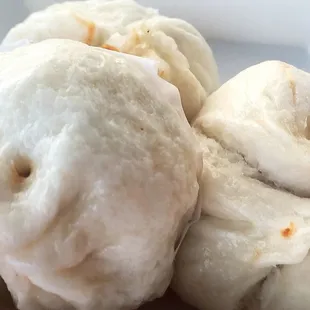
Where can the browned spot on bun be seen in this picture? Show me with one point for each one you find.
(91, 29)
(289, 231)
(136, 38)
(257, 254)
(293, 88)
(292, 83)
(21, 170)
(110, 47)
(161, 73)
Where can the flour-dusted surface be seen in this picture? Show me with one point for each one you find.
(185, 59)
(251, 246)
(99, 177)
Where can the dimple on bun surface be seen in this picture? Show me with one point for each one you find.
(184, 57)
(250, 248)
(99, 170)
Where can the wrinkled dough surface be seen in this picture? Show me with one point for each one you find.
(185, 59)
(254, 195)
(99, 177)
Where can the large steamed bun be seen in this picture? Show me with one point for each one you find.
(185, 58)
(98, 179)
(250, 248)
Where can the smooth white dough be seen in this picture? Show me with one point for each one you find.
(250, 248)
(70, 20)
(185, 58)
(113, 183)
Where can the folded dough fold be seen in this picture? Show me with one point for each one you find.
(255, 225)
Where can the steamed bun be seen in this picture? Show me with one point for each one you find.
(98, 180)
(250, 248)
(185, 59)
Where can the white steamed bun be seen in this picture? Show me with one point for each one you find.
(185, 58)
(250, 248)
(99, 173)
